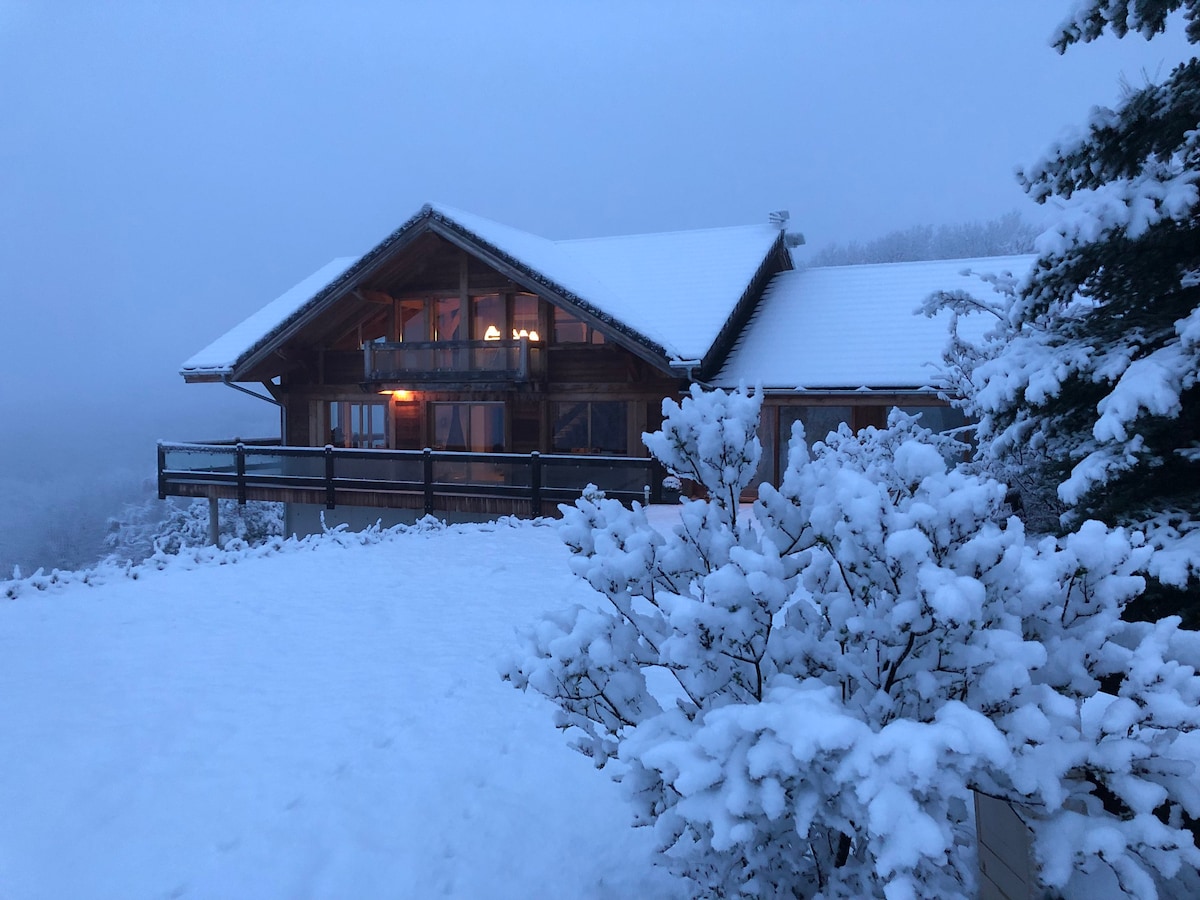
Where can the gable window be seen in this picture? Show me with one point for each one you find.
(475, 427)
(525, 319)
(448, 319)
(570, 330)
(362, 425)
(414, 320)
(590, 426)
(487, 318)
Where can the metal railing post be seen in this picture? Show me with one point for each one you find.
(241, 473)
(330, 495)
(162, 478)
(427, 460)
(535, 484)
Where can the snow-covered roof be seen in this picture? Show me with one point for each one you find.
(222, 355)
(846, 327)
(674, 288)
(673, 291)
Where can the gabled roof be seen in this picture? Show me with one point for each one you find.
(673, 296)
(849, 327)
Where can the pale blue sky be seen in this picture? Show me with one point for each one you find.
(165, 169)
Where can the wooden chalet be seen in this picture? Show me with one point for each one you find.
(465, 367)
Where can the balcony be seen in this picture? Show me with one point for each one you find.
(453, 362)
(495, 483)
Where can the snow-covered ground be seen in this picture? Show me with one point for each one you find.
(323, 720)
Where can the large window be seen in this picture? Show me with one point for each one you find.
(818, 422)
(525, 319)
(937, 418)
(357, 424)
(590, 426)
(477, 427)
(414, 320)
(448, 319)
(486, 317)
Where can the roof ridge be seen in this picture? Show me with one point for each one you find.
(674, 231)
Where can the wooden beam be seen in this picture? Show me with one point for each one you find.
(368, 296)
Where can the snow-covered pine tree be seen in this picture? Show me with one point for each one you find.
(1095, 372)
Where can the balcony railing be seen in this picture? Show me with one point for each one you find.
(516, 360)
(409, 478)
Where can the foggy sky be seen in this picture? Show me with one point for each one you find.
(167, 169)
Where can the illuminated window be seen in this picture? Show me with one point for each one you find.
(487, 318)
(525, 314)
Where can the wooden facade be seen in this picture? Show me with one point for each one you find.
(442, 318)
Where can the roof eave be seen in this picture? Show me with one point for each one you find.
(330, 294)
(205, 376)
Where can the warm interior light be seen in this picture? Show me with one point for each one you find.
(492, 333)
(399, 395)
(517, 335)
(533, 336)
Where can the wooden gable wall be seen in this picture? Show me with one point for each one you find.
(323, 364)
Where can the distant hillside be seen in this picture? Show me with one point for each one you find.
(1006, 236)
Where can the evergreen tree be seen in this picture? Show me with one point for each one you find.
(1005, 236)
(1094, 372)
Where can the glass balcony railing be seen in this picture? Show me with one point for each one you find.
(516, 360)
(359, 477)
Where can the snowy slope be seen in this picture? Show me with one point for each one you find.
(320, 721)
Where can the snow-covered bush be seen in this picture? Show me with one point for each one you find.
(800, 701)
(158, 526)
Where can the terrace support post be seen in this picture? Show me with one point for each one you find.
(330, 495)
(214, 523)
(162, 478)
(523, 359)
(657, 472)
(241, 474)
(535, 484)
(427, 461)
